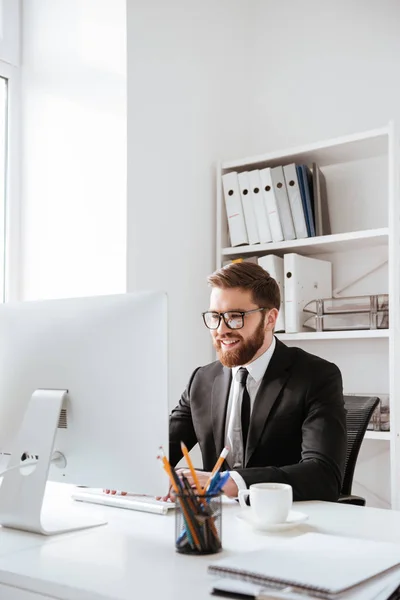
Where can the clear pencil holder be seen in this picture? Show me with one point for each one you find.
(198, 521)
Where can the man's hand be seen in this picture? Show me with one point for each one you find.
(230, 488)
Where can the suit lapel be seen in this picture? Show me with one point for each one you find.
(272, 383)
(219, 402)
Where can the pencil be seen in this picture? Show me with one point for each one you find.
(191, 468)
(179, 491)
(217, 466)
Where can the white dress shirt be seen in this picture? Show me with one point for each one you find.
(256, 371)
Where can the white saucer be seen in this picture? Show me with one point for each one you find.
(294, 519)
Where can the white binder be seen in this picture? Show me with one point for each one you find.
(234, 210)
(248, 208)
(306, 279)
(264, 231)
(282, 200)
(296, 204)
(275, 267)
(271, 205)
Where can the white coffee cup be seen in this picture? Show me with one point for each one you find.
(270, 503)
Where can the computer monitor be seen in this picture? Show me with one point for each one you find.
(85, 378)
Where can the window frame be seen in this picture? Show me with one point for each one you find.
(10, 69)
(12, 187)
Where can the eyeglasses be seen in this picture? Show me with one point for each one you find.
(234, 319)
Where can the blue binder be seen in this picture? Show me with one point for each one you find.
(306, 190)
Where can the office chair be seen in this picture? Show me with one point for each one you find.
(359, 412)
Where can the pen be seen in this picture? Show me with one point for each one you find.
(217, 465)
(216, 485)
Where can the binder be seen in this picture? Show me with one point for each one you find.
(271, 205)
(305, 182)
(264, 231)
(306, 279)
(234, 210)
(275, 267)
(320, 564)
(248, 208)
(321, 210)
(295, 201)
(282, 200)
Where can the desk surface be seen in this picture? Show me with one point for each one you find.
(134, 556)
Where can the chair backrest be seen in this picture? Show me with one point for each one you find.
(359, 412)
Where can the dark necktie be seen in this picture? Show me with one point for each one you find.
(239, 421)
(242, 375)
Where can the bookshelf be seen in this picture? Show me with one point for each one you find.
(334, 335)
(377, 435)
(339, 242)
(361, 173)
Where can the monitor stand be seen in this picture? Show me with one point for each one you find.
(23, 488)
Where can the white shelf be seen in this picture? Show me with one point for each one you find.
(333, 335)
(362, 181)
(337, 242)
(334, 151)
(377, 435)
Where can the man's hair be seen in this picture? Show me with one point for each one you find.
(248, 276)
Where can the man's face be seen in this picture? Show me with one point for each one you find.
(237, 347)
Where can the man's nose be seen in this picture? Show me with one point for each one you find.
(222, 327)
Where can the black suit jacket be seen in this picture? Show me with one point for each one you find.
(297, 433)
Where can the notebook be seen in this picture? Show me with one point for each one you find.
(385, 587)
(324, 565)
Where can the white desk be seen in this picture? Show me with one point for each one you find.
(134, 556)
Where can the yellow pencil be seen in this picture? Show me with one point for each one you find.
(217, 466)
(191, 468)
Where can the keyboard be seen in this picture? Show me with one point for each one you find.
(129, 502)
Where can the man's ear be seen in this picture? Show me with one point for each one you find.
(270, 321)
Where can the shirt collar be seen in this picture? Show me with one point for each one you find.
(258, 367)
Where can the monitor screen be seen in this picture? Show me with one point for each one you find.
(110, 354)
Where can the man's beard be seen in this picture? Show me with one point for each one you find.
(246, 351)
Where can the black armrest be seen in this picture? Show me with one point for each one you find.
(356, 500)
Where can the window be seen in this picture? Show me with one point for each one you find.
(9, 183)
(3, 180)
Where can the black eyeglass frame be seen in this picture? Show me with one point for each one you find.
(242, 313)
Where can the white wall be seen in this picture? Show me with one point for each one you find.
(324, 69)
(221, 79)
(206, 80)
(73, 148)
(187, 107)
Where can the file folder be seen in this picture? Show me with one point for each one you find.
(271, 205)
(264, 231)
(295, 201)
(305, 182)
(234, 210)
(248, 208)
(282, 201)
(306, 279)
(275, 267)
(321, 210)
